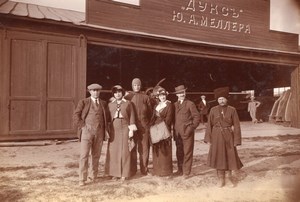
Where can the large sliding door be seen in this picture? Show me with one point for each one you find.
(43, 83)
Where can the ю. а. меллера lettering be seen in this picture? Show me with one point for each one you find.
(198, 13)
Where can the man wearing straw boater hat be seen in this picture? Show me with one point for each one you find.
(223, 133)
(187, 119)
(90, 118)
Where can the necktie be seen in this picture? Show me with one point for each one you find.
(97, 103)
(118, 110)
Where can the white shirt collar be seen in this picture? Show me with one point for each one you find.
(94, 99)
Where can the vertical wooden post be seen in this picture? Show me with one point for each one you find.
(82, 68)
(4, 82)
(295, 98)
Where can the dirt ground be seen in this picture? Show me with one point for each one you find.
(270, 154)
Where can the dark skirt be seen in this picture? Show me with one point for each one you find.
(119, 159)
(162, 158)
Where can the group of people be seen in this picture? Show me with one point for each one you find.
(133, 121)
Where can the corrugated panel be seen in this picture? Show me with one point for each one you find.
(48, 14)
(41, 12)
(34, 12)
(61, 14)
(20, 9)
(7, 7)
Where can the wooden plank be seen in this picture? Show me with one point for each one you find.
(26, 71)
(22, 144)
(25, 116)
(60, 71)
(59, 116)
(34, 12)
(61, 86)
(26, 82)
(7, 7)
(20, 10)
(39, 136)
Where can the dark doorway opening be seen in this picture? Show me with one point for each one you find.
(109, 66)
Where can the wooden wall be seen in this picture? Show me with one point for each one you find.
(231, 22)
(40, 87)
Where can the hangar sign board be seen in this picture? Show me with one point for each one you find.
(230, 22)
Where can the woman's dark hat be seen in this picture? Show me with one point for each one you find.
(118, 88)
(180, 89)
(221, 92)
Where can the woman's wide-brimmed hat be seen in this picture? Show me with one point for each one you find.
(118, 88)
(180, 89)
(162, 91)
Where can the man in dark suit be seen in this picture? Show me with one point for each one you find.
(187, 119)
(203, 108)
(90, 118)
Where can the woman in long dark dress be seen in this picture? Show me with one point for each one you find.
(162, 151)
(119, 159)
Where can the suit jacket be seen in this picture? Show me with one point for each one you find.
(187, 118)
(203, 109)
(81, 112)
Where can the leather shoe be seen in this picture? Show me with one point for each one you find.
(81, 183)
(92, 180)
(178, 173)
(185, 176)
(115, 178)
(122, 179)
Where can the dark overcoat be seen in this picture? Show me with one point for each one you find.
(223, 132)
(203, 108)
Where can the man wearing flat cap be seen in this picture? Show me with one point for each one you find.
(90, 118)
(143, 109)
(187, 119)
(223, 133)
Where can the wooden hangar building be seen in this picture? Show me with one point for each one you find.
(48, 55)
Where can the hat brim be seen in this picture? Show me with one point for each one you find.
(94, 88)
(180, 91)
(162, 94)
